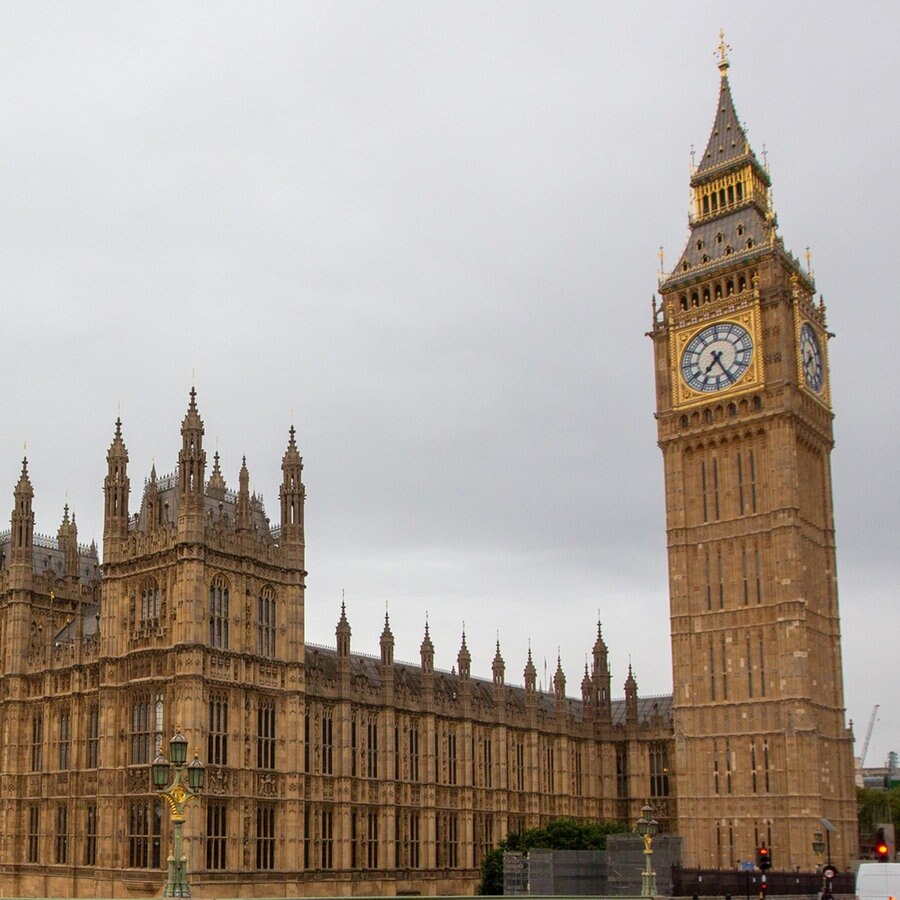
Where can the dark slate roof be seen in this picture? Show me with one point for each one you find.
(366, 671)
(216, 506)
(727, 141)
(90, 626)
(649, 708)
(48, 556)
(740, 230)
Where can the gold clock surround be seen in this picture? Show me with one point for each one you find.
(683, 394)
(804, 317)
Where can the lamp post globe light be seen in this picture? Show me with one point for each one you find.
(647, 827)
(177, 795)
(818, 847)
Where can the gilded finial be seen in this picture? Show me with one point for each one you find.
(662, 257)
(722, 50)
(808, 256)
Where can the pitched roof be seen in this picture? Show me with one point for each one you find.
(727, 140)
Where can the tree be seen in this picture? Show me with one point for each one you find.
(557, 834)
(877, 807)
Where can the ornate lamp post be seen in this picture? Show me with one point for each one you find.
(177, 794)
(647, 827)
(818, 847)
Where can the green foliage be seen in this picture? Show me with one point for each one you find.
(492, 873)
(877, 807)
(557, 834)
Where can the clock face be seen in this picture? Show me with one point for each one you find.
(717, 357)
(811, 357)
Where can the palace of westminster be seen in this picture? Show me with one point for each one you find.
(329, 772)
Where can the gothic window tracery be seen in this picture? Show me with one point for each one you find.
(149, 604)
(218, 613)
(266, 623)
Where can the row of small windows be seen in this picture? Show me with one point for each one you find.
(750, 585)
(146, 736)
(145, 837)
(146, 733)
(718, 413)
(717, 290)
(481, 768)
(61, 836)
(150, 610)
(721, 687)
(724, 197)
(63, 743)
(725, 769)
(719, 477)
(720, 237)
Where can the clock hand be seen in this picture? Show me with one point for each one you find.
(722, 367)
(716, 358)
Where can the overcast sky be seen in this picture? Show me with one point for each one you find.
(427, 234)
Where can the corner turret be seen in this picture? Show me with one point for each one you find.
(115, 491)
(191, 463)
(292, 494)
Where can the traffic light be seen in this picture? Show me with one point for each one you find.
(763, 858)
(882, 851)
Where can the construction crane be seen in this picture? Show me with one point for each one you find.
(865, 746)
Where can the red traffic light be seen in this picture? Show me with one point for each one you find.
(881, 850)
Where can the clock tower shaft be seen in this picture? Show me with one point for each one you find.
(745, 428)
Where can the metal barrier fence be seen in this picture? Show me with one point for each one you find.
(734, 883)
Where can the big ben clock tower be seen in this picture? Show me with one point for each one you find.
(745, 427)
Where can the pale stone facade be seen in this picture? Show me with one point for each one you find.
(745, 428)
(327, 772)
(334, 773)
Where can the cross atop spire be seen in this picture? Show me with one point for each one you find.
(722, 50)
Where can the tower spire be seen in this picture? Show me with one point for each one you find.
(115, 490)
(731, 214)
(22, 519)
(192, 458)
(242, 510)
(292, 493)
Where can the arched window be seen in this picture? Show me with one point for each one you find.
(218, 613)
(217, 742)
(149, 611)
(146, 727)
(266, 623)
